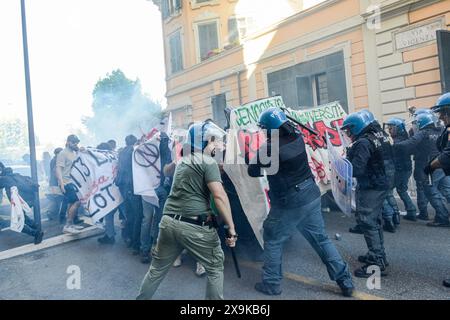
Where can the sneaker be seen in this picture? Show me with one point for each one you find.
(362, 272)
(268, 289)
(177, 262)
(78, 227)
(70, 230)
(439, 224)
(106, 240)
(326, 209)
(200, 270)
(38, 237)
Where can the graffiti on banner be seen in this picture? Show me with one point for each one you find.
(341, 179)
(147, 170)
(93, 173)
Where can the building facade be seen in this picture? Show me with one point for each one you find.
(384, 56)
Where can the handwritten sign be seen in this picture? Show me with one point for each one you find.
(93, 173)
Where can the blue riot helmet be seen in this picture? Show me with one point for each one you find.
(355, 123)
(368, 115)
(424, 120)
(397, 124)
(272, 118)
(200, 133)
(442, 103)
(421, 111)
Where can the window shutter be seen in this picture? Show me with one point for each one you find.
(233, 33)
(178, 4)
(165, 9)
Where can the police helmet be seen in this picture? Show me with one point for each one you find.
(368, 115)
(421, 111)
(397, 123)
(355, 123)
(272, 118)
(442, 102)
(424, 119)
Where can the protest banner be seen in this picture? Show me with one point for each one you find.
(245, 138)
(147, 170)
(18, 209)
(93, 173)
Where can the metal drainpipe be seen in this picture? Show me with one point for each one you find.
(239, 87)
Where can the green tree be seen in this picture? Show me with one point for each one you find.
(13, 133)
(119, 108)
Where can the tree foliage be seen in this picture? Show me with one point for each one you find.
(13, 133)
(120, 108)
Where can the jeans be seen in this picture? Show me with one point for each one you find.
(133, 214)
(302, 212)
(29, 227)
(442, 183)
(202, 243)
(368, 215)
(390, 206)
(109, 224)
(401, 185)
(146, 227)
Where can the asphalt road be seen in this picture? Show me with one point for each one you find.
(419, 259)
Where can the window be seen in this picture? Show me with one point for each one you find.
(170, 8)
(238, 28)
(219, 103)
(208, 40)
(176, 53)
(202, 1)
(311, 83)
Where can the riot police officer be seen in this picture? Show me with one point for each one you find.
(442, 107)
(423, 146)
(367, 158)
(295, 203)
(403, 165)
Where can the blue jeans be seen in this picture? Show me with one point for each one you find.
(146, 227)
(435, 198)
(442, 183)
(109, 225)
(401, 185)
(303, 213)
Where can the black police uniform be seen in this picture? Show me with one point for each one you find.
(295, 204)
(423, 146)
(403, 171)
(367, 158)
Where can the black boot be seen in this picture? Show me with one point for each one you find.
(38, 237)
(446, 283)
(363, 271)
(410, 217)
(347, 287)
(268, 289)
(396, 218)
(367, 259)
(356, 229)
(106, 240)
(423, 216)
(145, 257)
(389, 226)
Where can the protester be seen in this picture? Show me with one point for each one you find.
(188, 215)
(109, 236)
(27, 189)
(56, 208)
(64, 163)
(132, 203)
(295, 203)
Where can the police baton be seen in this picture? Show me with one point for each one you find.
(233, 254)
(311, 131)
